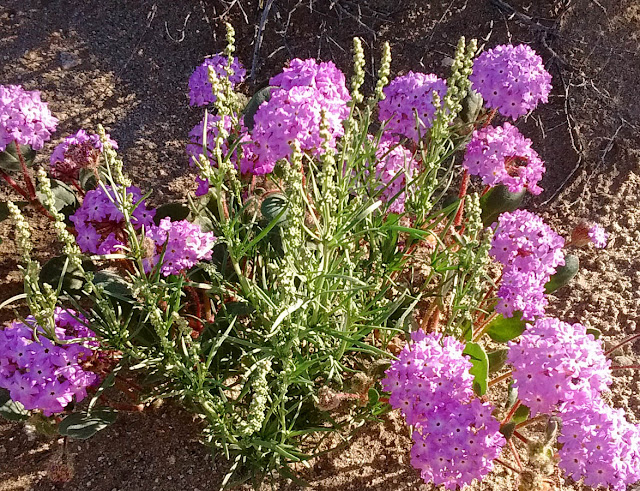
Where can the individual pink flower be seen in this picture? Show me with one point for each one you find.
(502, 155)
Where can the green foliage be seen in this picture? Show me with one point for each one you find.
(82, 425)
(10, 160)
(564, 274)
(503, 329)
(480, 369)
(10, 410)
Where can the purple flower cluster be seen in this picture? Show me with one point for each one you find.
(599, 445)
(40, 374)
(200, 90)
(457, 444)
(502, 155)
(530, 252)
(555, 362)
(78, 151)
(247, 163)
(294, 111)
(511, 79)
(457, 438)
(409, 97)
(24, 118)
(184, 245)
(598, 236)
(100, 224)
(395, 165)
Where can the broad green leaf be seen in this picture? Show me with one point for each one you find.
(374, 396)
(480, 369)
(521, 414)
(73, 279)
(564, 274)
(497, 359)
(499, 200)
(507, 430)
(175, 211)
(11, 410)
(65, 198)
(503, 329)
(263, 95)
(596, 332)
(9, 160)
(82, 425)
(273, 206)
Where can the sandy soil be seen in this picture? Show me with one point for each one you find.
(126, 65)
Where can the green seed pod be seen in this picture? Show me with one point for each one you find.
(499, 200)
(564, 274)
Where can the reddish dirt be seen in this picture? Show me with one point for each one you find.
(126, 65)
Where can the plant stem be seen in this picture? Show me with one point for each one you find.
(14, 185)
(25, 173)
(508, 466)
(628, 340)
(512, 447)
(520, 437)
(461, 194)
(530, 421)
(485, 327)
(625, 367)
(499, 379)
(510, 414)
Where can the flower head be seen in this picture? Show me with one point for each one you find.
(24, 118)
(200, 90)
(184, 245)
(556, 362)
(501, 155)
(457, 444)
(41, 374)
(529, 251)
(243, 157)
(100, 224)
(294, 112)
(407, 97)
(78, 151)
(428, 373)
(599, 445)
(511, 79)
(395, 166)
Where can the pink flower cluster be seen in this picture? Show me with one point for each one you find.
(24, 118)
(599, 445)
(598, 236)
(40, 374)
(530, 252)
(502, 155)
(100, 224)
(200, 90)
(408, 105)
(511, 79)
(555, 362)
(78, 151)
(247, 162)
(456, 437)
(179, 246)
(395, 166)
(294, 111)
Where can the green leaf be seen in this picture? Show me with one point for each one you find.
(11, 410)
(9, 160)
(374, 396)
(73, 279)
(114, 285)
(471, 106)
(273, 206)
(87, 179)
(497, 359)
(521, 414)
(82, 425)
(507, 430)
(263, 95)
(503, 329)
(175, 211)
(499, 200)
(596, 332)
(65, 199)
(480, 369)
(564, 274)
